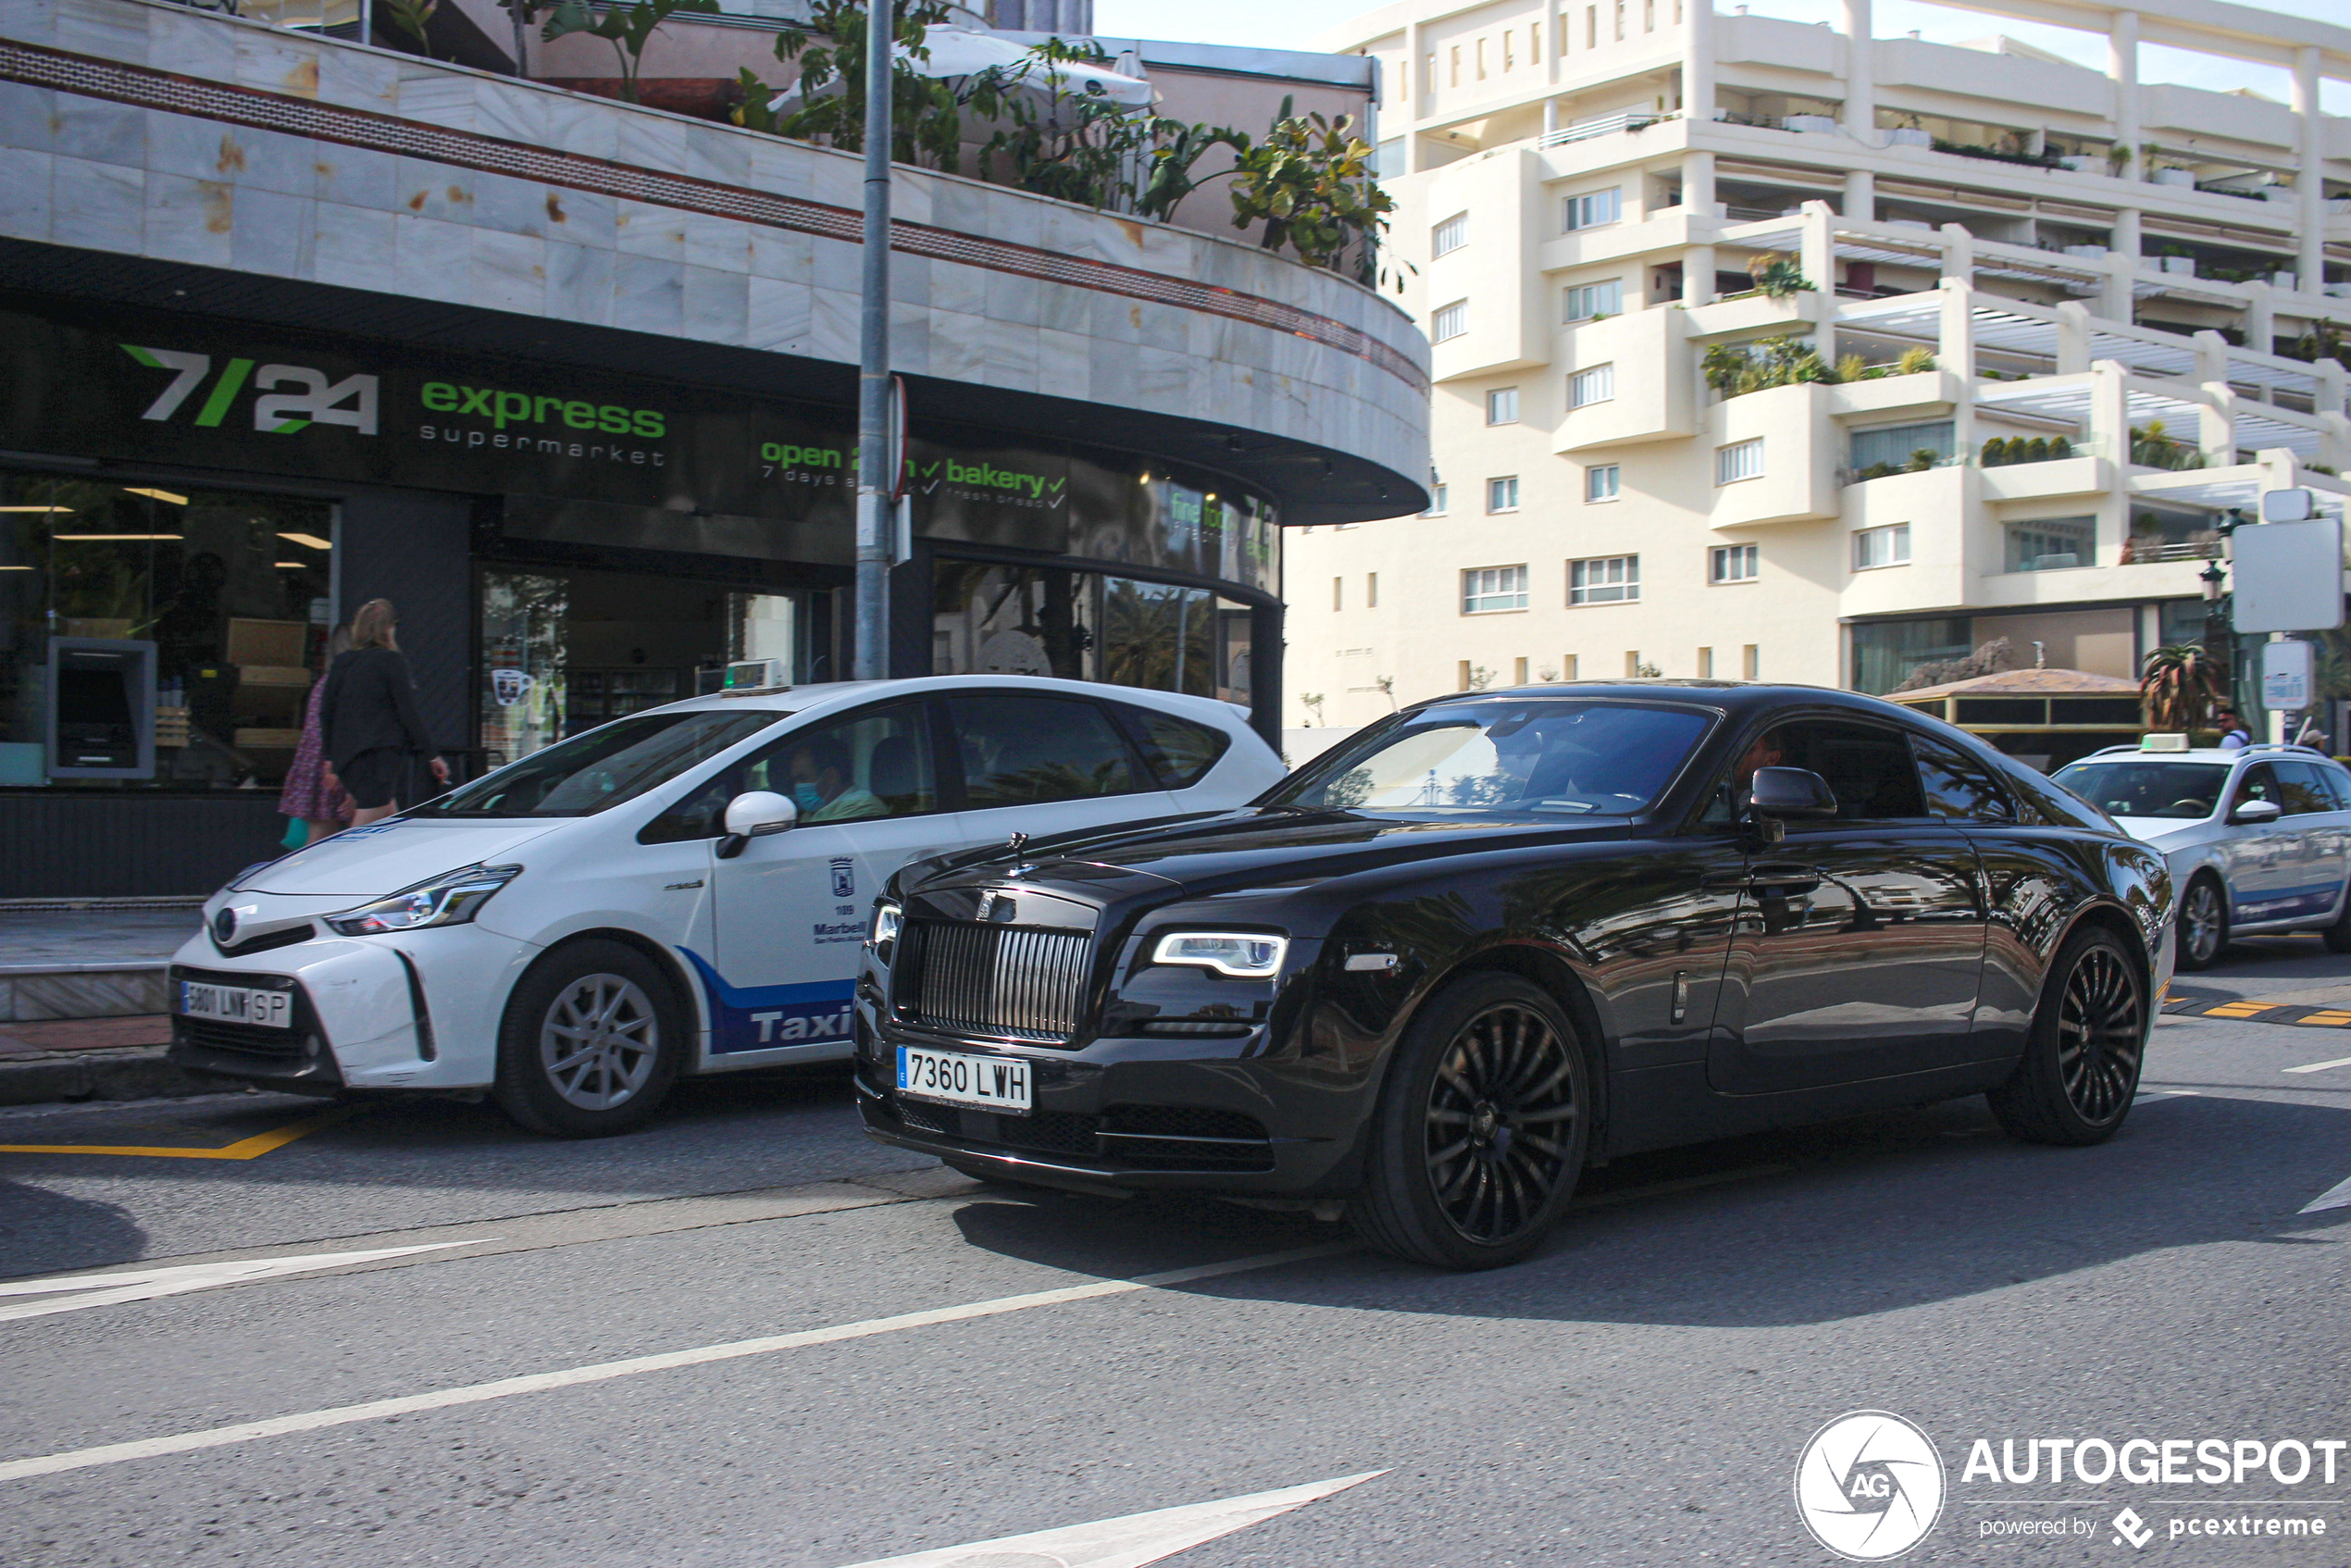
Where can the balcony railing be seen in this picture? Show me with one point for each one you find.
(2146, 552)
(1607, 125)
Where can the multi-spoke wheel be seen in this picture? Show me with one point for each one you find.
(2204, 923)
(590, 1042)
(2079, 1070)
(1481, 1130)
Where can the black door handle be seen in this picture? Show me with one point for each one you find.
(1780, 880)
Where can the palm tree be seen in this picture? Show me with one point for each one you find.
(2179, 685)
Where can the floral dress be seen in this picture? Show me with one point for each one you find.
(306, 794)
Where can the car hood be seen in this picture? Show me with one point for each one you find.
(1253, 848)
(387, 856)
(2156, 830)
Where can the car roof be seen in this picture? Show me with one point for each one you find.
(2258, 750)
(783, 701)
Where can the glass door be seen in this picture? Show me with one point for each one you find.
(525, 646)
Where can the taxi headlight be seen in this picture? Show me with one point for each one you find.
(888, 918)
(451, 899)
(1244, 955)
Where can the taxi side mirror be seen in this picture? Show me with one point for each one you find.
(2253, 813)
(754, 813)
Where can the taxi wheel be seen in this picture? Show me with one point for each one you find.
(591, 1042)
(2204, 924)
(2338, 936)
(1482, 1128)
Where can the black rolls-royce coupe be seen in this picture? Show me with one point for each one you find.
(1497, 936)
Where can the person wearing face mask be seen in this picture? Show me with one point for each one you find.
(824, 787)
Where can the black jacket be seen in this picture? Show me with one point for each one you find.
(370, 704)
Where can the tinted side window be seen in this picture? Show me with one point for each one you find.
(1868, 769)
(873, 764)
(2256, 783)
(1180, 751)
(2301, 790)
(2338, 787)
(1018, 749)
(1958, 787)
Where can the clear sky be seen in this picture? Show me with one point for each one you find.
(1296, 24)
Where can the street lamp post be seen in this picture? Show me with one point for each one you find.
(2219, 641)
(869, 661)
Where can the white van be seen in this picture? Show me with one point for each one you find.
(682, 891)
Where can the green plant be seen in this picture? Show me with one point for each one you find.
(2118, 155)
(2179, 685)
(1851, 368)
(1922, 458)
(626, 28)
(1773, 362)
(2037, 449)
(1914, 360)
(1995, 452)
(1778, 276)
(413, 17)
(1643, 670)
(926, 115)
(1178, 147)
(2154, 447)
(1310, 183)
(1313, 702)
(2060, 447)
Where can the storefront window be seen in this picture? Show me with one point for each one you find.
(1884, 652)
(1085, 626)
(156, 634)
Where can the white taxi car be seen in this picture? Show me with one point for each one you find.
(2258, 840)
(682, 891)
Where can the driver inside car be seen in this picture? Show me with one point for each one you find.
(824, 785)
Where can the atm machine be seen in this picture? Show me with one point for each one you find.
(101, 707)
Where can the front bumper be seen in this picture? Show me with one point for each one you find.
(1204, 1115)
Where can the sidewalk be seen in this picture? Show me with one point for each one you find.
(83, 1002)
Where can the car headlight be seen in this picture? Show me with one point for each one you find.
(888, 919)
(1245, 955)
(451, 899)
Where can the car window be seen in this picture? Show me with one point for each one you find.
(1867, 768)
(608, 765)
(2184, 791)
(1179, 751)
(1958, 787)
(2338, 787)
(1018, 749)
(873, 764)
(2256, 783)
(1544, 758)
(2300, 789)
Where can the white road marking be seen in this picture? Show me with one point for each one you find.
(2335, 1197)
(141, 1284)
(602, 1372)
(1129, 1542)
(2321, 1066)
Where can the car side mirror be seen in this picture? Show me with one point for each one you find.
(2252, 812)
(1780, 795)
(754, 813)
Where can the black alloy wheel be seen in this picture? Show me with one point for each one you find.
(1482, 1130)
(2079, 1071)
(2204, 924)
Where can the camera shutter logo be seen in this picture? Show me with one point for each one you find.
(1869, 1486)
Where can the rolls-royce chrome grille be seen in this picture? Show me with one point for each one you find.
(1013, 981)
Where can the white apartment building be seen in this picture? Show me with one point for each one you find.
(2074, 314)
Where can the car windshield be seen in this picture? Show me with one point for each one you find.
(1543, 758)
(608, 765)
(2187, 791)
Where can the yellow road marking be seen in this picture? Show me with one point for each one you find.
(251, 1148)
(2238, 1009)
(2332, 1017)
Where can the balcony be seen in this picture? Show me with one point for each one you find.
(1606, 125)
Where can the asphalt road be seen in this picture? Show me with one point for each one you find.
(1638, 1394)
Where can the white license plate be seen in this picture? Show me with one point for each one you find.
(237, 1004)
(987, 1083)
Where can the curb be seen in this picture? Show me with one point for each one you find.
(136, 1073)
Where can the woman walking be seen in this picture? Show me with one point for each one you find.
(311, 795)
(372, 729)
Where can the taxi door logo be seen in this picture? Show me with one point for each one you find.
(287, 397)
(1869, 1486)
(844, 878)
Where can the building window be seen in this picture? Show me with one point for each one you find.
(1734, 563)
(1596, 385)
(1750, 663)
(1339, 593)
(1518, 677)
(1501, 495)
(1501, 407)
(1535, 44)
(1454, 68)
(1450, 235)
(1388, 162)
(1740, 460)
(1450, 321)
(1487, 588)
(1706, 663)
(1567, 667)
(1592, 209)
(1610, 579)
(1510, 62)
(1436, 502)
(1881, 547)
(1600, 482)
(1895, 449)
(1481, 59)
(2051, 544)
(1589, 302)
